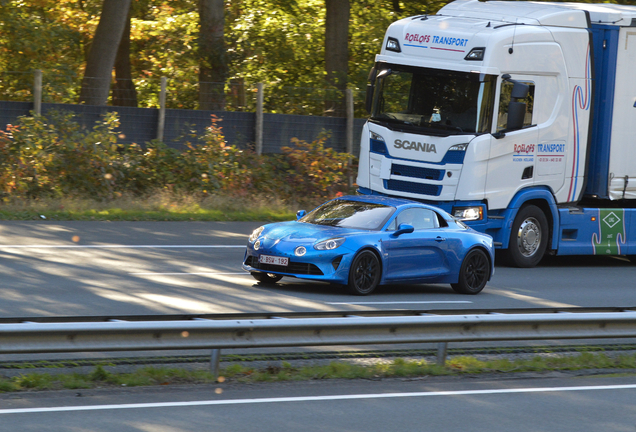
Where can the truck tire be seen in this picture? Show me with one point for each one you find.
(528, 237)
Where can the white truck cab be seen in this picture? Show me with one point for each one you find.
(515, 117)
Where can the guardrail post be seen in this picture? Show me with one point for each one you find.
(37, 92)
(442, 348)
(162, 109)
(215, 362)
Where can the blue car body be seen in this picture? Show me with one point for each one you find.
(431, 255)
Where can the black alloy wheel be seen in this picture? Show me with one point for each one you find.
(266, 278)
(365, 272)
(474, 273)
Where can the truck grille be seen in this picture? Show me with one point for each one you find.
(417, 172)
(416, 188)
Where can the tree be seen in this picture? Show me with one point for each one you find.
(212, 57)
(124, 93)
(337, 50)
(103, 51)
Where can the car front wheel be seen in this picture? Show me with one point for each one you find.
(474, 273)
(266, 278)
(364, 275)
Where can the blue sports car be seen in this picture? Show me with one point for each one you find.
(365, 241)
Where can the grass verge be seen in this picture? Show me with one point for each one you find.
(397, 368)
(161, 206)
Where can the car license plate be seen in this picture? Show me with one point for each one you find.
(268, 259)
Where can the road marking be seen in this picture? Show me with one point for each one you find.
(314, 398)
(530, 299)
(115, 246)
(398, 302)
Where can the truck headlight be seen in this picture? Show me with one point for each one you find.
(469, 213)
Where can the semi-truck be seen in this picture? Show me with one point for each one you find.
(517, 117)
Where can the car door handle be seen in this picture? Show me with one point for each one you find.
(440, 239)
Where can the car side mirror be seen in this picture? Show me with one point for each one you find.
(300, 214)
(403, 229)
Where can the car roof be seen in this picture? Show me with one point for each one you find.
(389, 201)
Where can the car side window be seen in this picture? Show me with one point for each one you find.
(419, 218)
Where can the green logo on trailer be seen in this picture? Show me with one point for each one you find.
(612, 232)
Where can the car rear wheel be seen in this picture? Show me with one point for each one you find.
(364, 275)
(266, 278)
(474, 273)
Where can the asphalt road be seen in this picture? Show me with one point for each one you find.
(565, 404)
(121, 268)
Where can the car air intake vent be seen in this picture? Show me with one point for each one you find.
(292, 268)
(417, 172)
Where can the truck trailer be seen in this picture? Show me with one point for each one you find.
(517, 117)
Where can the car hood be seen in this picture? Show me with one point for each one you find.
(299, 232)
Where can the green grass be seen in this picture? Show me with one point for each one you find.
(162, 206)
(457, 366)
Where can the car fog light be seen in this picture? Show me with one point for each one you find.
(300, 251)
(257, 245)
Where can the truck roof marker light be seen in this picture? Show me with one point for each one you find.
(392, 44)
(476, 54)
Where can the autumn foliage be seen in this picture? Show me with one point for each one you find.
(54, 156)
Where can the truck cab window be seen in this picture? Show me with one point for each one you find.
(440, 102)
(504, 102)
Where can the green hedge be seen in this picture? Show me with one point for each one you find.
(53, 156)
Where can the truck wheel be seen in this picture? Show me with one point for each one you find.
(364, 274)
(528, 238)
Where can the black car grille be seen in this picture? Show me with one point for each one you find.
(292, 268)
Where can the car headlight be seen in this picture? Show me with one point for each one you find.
(256, 233)
(329, 244)
(469, 213)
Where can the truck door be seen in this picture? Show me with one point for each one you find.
(512, 152)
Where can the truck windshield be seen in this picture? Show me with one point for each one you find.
(440, 101)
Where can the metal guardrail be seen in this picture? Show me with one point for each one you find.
(54, 335)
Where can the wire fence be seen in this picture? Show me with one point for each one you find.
(265, 121)
(235, 95)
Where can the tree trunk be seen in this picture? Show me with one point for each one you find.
(124, 93)
(212, 56)
(337, 53)
(103, 50)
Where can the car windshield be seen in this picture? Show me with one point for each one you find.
(350, 214)
(434, 101)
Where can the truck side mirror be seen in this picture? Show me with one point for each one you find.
(516, 115)
(516, 109)
(368, 105)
